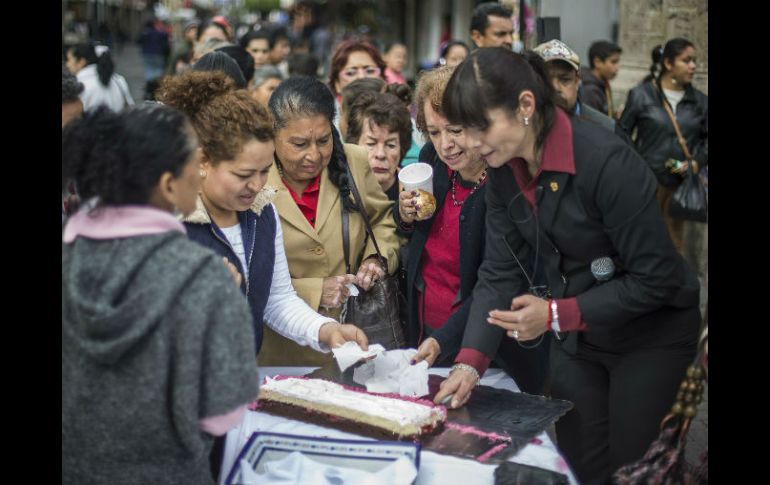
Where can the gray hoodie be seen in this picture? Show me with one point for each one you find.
(155, 337)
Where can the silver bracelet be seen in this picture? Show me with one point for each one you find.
(468, 368)
(555, 320)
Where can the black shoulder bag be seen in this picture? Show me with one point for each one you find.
(690, 201)
(376, 311)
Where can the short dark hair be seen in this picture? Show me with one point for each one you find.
(211, 23)
(276, 33)
(451, 44)
(602, 49)
(219, 61)
(240, 56)
(119, 157)
(493, 78)
(70, 86)
(479, 20)
(303, 64)
(254, 35)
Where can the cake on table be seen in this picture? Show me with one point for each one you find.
(385, 416)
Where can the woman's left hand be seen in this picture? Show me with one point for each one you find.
(526, 320)
(334, 334)
(683, 168)
(369, 273)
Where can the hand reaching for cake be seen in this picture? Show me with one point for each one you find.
(460, 383)
(428, 351)
(334, 334)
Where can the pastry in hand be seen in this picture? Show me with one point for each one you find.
(426, 203)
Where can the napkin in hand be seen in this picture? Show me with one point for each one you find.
(350, 353)
(391, 371)
(297, 468)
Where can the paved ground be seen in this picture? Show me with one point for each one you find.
(128, 62)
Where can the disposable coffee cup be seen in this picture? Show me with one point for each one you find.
(417, 176)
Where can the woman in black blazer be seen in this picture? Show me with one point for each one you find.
(445, 248)
(563, 194)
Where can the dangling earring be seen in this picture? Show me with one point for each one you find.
(176, 212)
(526, 121)
(202, 173)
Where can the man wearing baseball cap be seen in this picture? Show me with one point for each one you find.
(562, 70)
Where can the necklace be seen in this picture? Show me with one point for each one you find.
(475, 187)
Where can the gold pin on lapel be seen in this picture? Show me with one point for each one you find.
(554, 186)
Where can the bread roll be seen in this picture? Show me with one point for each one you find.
(427, 203)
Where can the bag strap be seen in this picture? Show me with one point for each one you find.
(670, 112)
(345, 236)
(362, 209)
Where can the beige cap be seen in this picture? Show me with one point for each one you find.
(556, 50)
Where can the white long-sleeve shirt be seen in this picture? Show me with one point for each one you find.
(115, 95)
(286, 312)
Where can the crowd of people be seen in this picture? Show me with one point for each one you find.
(203, 231)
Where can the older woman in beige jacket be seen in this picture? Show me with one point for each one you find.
(310, 176)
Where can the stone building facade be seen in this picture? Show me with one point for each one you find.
(647, 23)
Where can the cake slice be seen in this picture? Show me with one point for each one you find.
(385, 416)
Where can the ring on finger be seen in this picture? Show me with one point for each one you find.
(516, 334)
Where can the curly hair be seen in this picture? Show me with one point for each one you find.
(343, 51)
(225, 118)
(119, 157)
(430, 89)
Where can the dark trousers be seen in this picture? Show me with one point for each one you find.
(620, 398)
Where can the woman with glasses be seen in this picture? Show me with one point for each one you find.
(578, 206)
(311, 175)
(353, 59)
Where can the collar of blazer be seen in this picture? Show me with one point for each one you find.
(289, 211)
(201, 216)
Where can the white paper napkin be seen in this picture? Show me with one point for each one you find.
(349, 353)
(391, 371)
(353, 289)
(298, 468)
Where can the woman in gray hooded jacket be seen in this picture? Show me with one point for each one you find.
(156, 358)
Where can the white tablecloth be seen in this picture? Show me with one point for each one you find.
(435, 468)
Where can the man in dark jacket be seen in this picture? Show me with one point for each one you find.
(604, 59)
(562, 67)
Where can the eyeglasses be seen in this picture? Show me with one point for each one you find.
(369, 71)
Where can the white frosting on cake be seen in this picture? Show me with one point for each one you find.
(327, 393)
